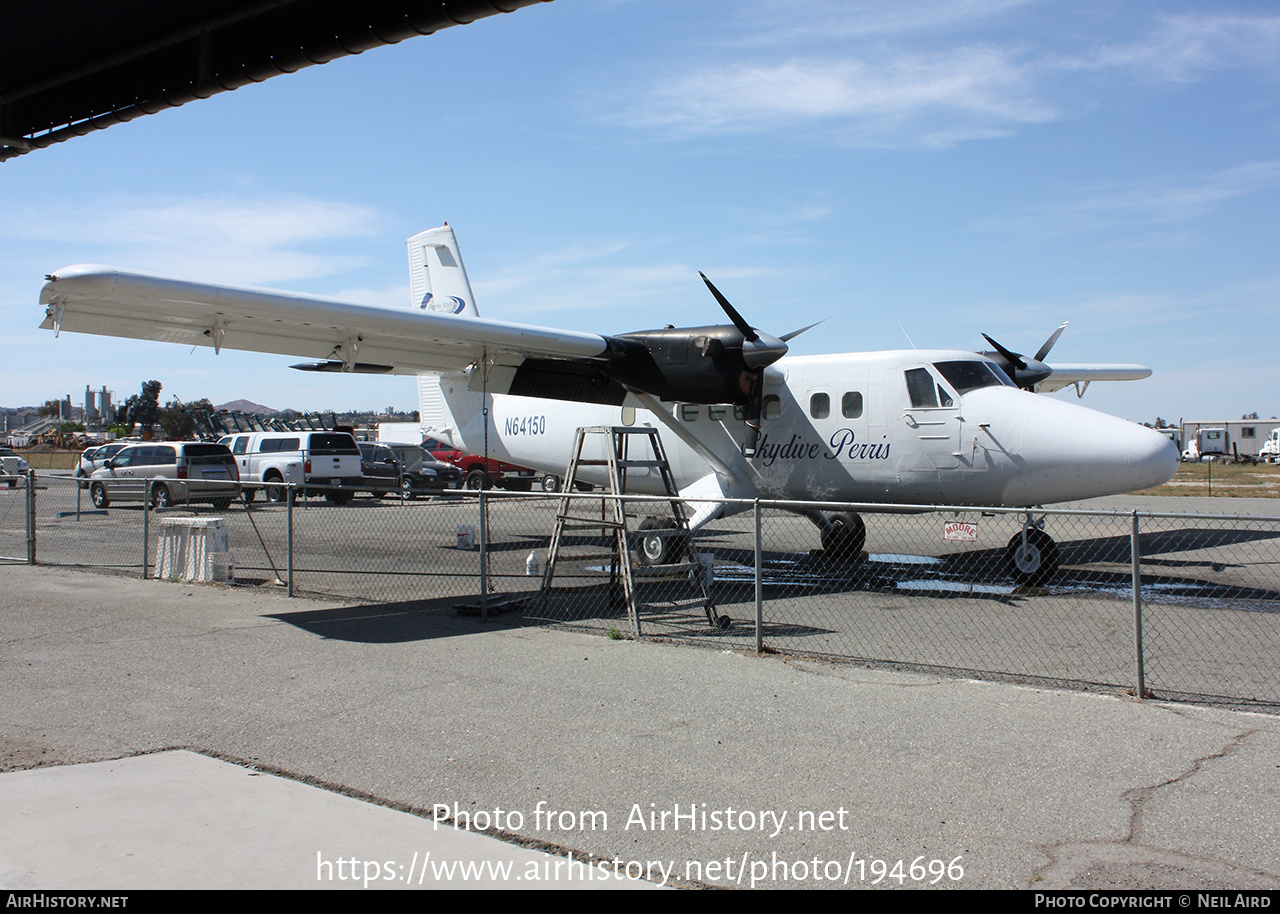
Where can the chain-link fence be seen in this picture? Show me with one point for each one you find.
(968, 592)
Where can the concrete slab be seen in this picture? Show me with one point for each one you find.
(178, 820)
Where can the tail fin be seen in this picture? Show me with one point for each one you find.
(437, 278)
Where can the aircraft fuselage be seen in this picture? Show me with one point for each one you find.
(910, 427)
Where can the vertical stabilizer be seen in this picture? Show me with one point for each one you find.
(437, 278)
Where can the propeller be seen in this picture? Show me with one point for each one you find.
(1025, 372)
(721, 363)
(759, 350)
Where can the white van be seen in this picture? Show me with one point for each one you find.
(329, 461)
(165, 473)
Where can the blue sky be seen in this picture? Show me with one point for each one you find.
(938, 168)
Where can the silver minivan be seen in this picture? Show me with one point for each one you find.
(166, 473)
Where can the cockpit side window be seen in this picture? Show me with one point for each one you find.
(926, 393)
(921, 388)
(965, 376)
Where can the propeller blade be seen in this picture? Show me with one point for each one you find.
(1013, 358)
(748, 332)
(787, 337)
(1048, 344)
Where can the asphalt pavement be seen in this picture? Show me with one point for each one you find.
(161, 735)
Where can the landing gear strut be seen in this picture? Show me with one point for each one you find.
(1032, 555)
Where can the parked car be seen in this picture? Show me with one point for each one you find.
(94, 458)
(330, 461)
(164, 473)
(480, 473)
(422, 474)
(407, 468)
(12, 466)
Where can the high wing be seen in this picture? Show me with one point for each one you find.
(1035, 374)
(719, 363)
(338, 335)
(1064, 375)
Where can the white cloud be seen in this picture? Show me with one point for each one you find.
(934, 97)
(227, 239)
(1151, 202)
(1185, 48)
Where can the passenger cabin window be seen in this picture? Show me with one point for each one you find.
(628, 415)
(717, 413)
(819, 406)
(772, 407)
(851, 405)
(688, 412)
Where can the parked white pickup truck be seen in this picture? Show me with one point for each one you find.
(329, 461)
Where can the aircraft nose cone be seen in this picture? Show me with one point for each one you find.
(1070, 452)
(1153, 458)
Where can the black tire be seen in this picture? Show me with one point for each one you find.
(160, 497)
(248, 495)
(846, 538)
(406, 488)
(550, 483)
(656, 544)
(477, 480)
(338, 496)
(1036, 563)
(221, 504)
(275, 492)
(98, 495)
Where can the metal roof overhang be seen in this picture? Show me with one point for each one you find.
(70, 67)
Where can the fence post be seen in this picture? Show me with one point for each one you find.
(146, 526)
(288, 538)
(1135, 553)
(31, 516)
(759, 583)
(484, 557)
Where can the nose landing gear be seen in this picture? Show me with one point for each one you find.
(1032, 555)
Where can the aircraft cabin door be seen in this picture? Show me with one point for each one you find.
(928, 432)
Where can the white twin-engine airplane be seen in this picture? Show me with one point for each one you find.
(903, 428)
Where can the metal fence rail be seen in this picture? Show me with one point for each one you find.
(1203, 624)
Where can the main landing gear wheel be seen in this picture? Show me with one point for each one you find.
(657, 542)
(1035, 561)
(844, 540)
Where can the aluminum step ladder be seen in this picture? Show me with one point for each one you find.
(620, 457)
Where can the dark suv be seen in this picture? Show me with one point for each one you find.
(408, 468)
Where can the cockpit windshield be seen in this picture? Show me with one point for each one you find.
(970, 375)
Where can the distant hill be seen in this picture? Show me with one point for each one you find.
(248, 407)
